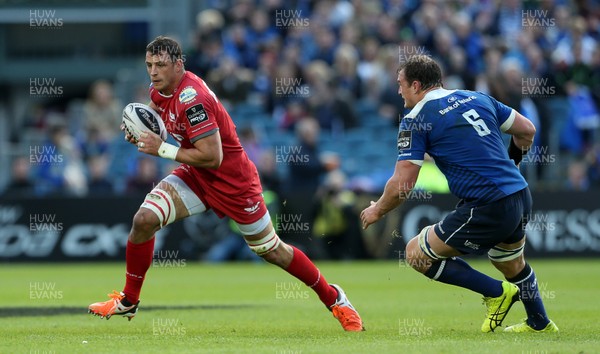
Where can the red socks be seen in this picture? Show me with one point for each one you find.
(304, 269)
(138, 258)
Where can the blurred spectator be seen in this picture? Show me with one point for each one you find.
(145, 177)
(592, 159)
(209, 24)
(102, 112)
(305, 165)
(240, 11)
(238, 48)
(99, 183)
(230, 82)
(488, 81)
(387, 30)
(20, 184)
(595, 80)
(60, 168)
(206, 55)
(456, 76)
(93, 144)
(391, 103)
(264, 77)
(576, 36)
(336, 222)
(577, 176)
(576, 78)
(562, 20)
(346, 76)
(370, 70)
(35, 118)
(269, 175)
(294, 111)
(287, 85)
(509, 20)
(424, 23)
(332, 108)
(350, 34)
(261, 32)
(323, 46)
(470, 63)
(253, 147)
(443, 46)
(368, 14)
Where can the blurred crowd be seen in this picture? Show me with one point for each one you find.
(329, 68)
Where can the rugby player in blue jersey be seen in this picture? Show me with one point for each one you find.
(462, 131)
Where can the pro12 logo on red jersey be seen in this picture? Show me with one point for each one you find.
(196, 114)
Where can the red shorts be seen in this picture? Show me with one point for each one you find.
(246, 208)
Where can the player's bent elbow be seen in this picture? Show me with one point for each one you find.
(214, 163)
(217, 161)
(531, 131)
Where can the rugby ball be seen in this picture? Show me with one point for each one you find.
(139, 118)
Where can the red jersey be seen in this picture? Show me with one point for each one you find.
(193, 112)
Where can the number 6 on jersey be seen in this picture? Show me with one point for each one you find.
(478, 124)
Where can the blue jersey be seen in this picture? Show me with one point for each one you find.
(462, 131)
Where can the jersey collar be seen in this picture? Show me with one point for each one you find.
(429, 96)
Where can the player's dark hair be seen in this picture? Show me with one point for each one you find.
(162, 44)
(423, 69)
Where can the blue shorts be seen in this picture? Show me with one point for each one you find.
(475, 228)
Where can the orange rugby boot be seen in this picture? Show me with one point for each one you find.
(114, 306)
(345, 312)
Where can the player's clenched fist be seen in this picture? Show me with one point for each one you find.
(149, 143)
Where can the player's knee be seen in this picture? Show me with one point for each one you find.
(415, 258)
(270, 248)
(511, 268)
(509, 262)
(145, 222)
(161, 204)
(419, 254)
(412, 251)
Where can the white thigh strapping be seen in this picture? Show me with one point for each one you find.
(191, 201)
(256, 227)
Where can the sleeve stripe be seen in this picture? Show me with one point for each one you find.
(203, 135)
(416, 162)
(509, 121)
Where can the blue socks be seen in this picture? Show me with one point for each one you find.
(457, 272)
(531, 298)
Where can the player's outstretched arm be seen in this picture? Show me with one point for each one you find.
(395, 192)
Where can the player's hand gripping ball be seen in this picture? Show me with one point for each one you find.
(139, 118)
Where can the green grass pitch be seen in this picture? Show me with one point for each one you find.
(257, 308)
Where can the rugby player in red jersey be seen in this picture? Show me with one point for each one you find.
(215, 173)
